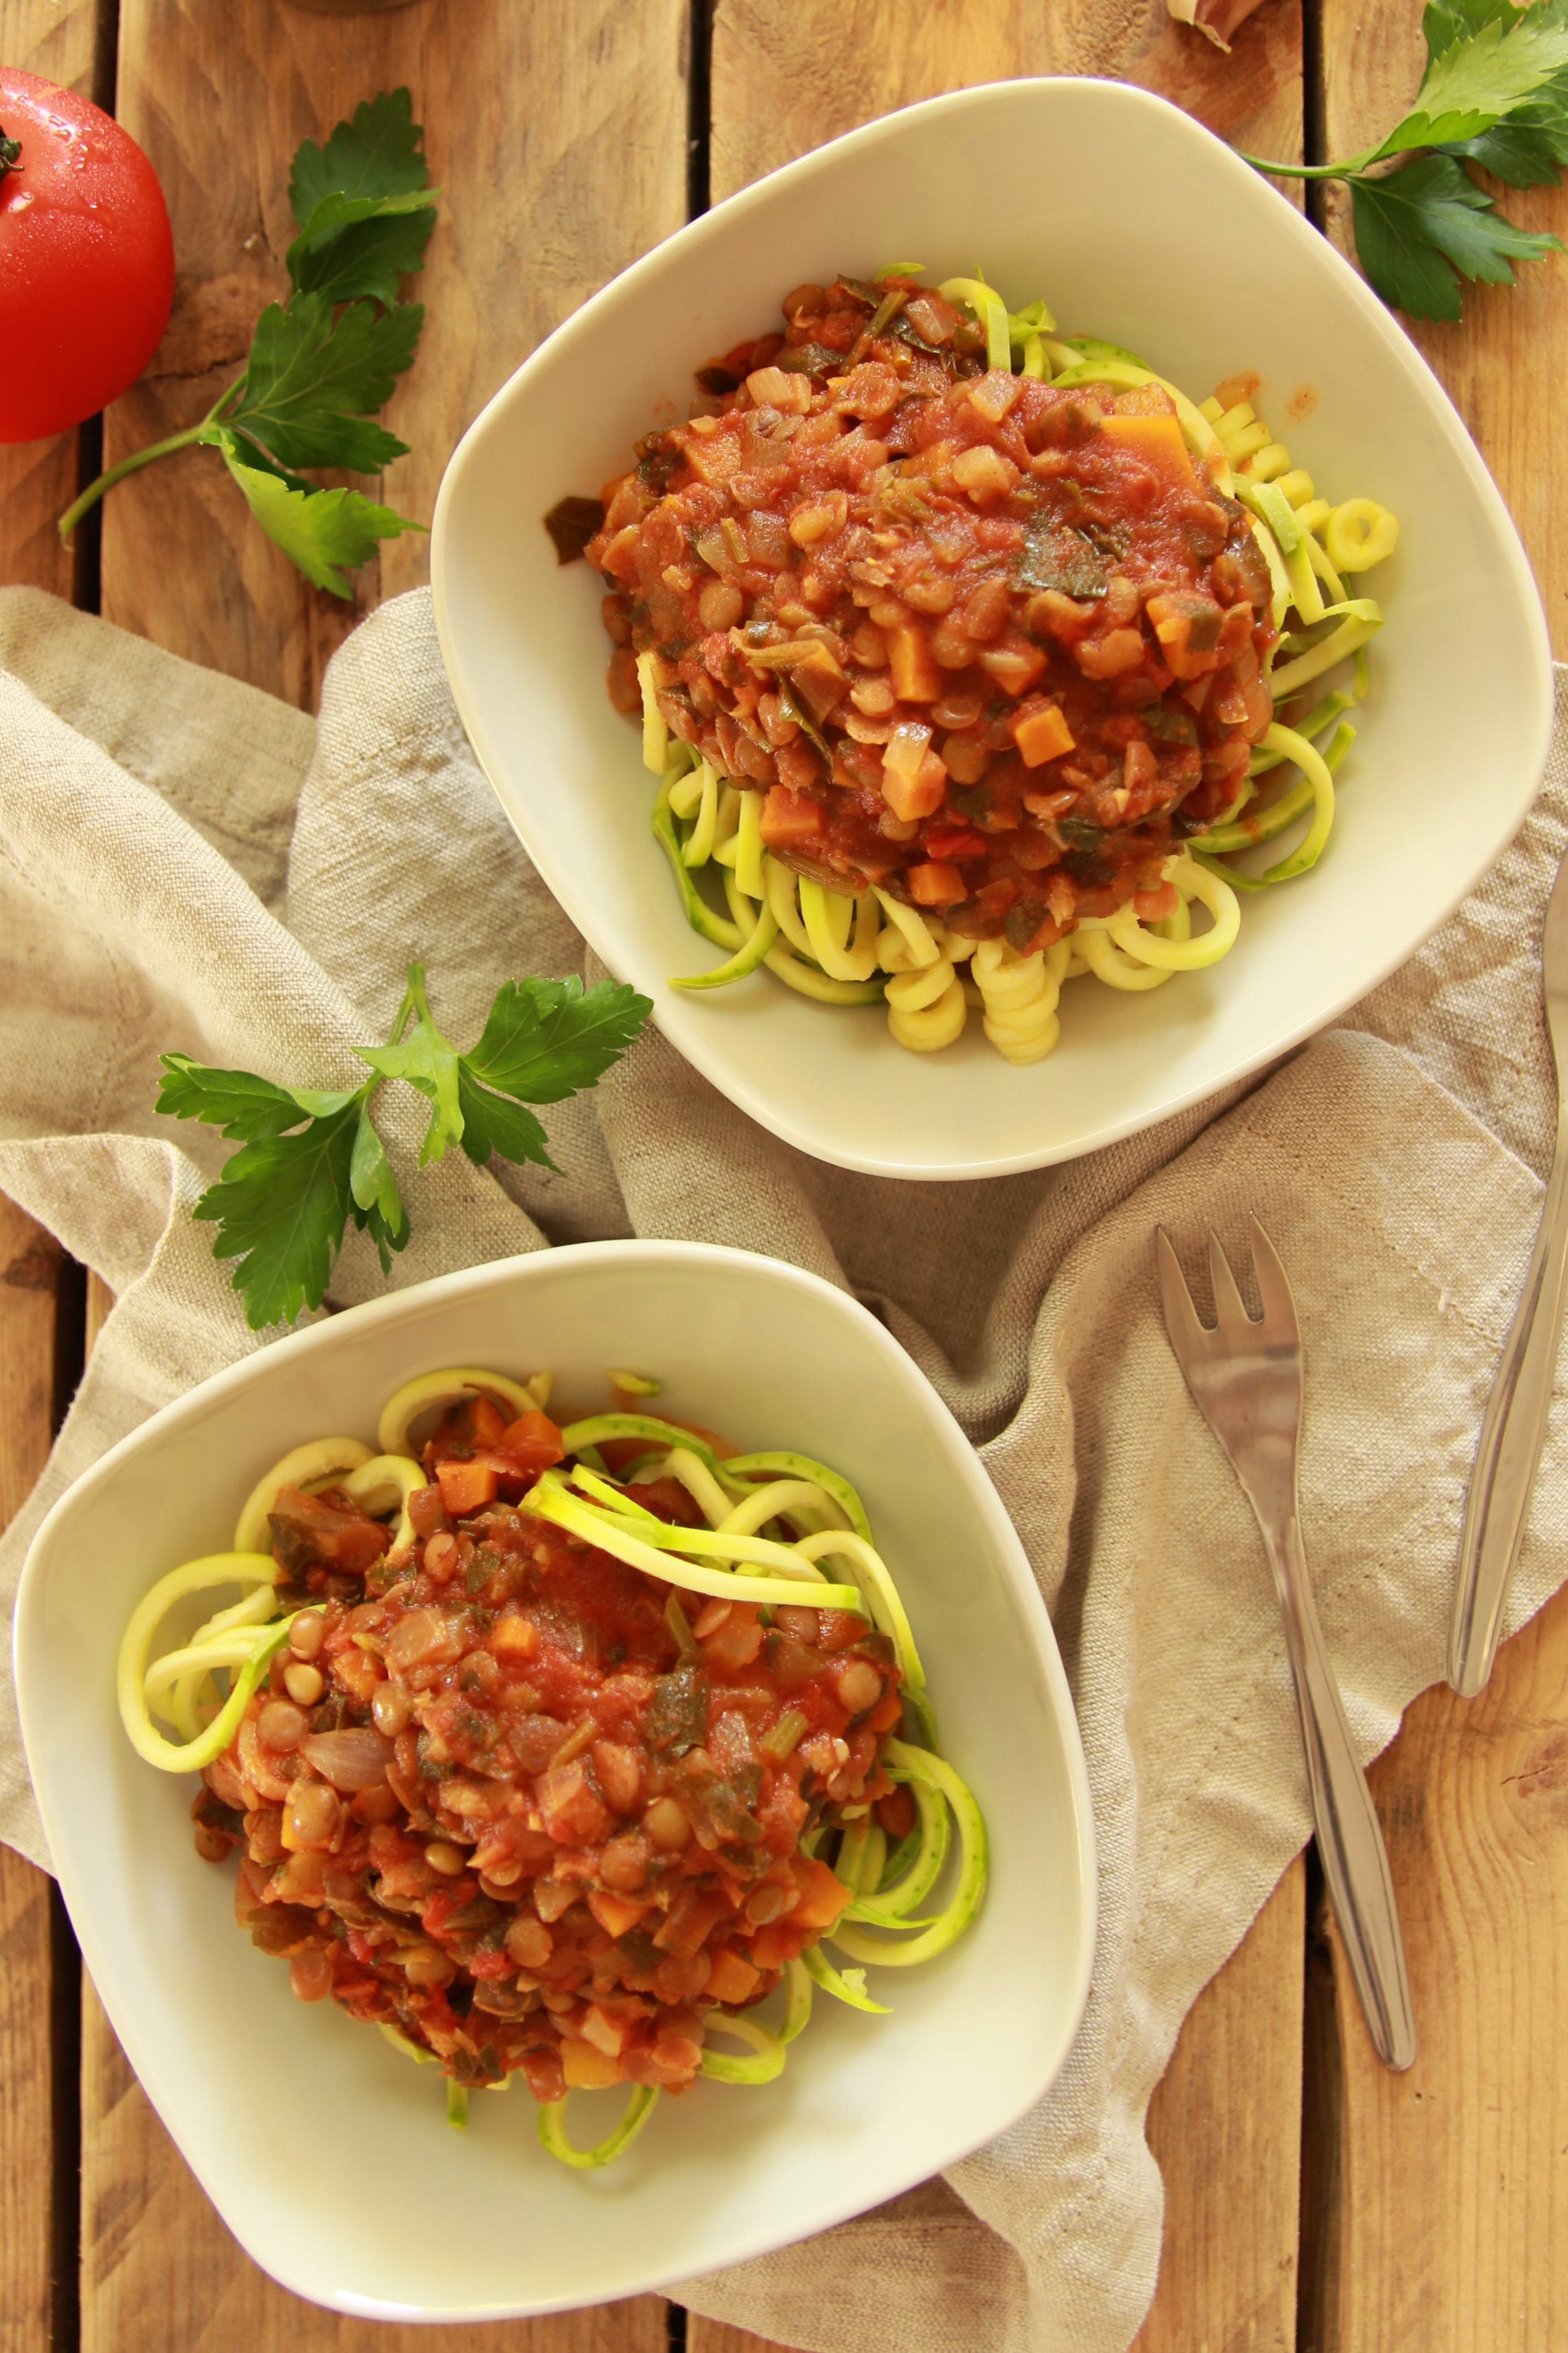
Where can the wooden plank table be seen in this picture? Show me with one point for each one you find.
(1312, 2201)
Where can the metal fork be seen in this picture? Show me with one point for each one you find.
(1247, 1379)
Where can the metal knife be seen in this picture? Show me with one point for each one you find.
(1514, 1430)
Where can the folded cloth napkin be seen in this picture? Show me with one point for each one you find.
(189, 865)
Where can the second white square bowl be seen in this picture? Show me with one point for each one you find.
(1136, 225)
(327, 2155)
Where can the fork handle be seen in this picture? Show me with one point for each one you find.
(1349, 1840)
(1513, 1431)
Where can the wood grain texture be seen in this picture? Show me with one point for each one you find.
(160, 2271)
(1225, 2126)
(788, 75)
(29, 1274)
(558, 135)
(1503, 362)
(718, 2337)
(54, 38)
(1442, 2204)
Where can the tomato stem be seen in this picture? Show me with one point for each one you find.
(139, 457)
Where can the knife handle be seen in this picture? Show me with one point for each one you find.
(1513, 1431)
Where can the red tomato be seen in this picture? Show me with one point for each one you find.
(87, 259)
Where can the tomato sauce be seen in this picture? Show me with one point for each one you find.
(993, 646)
(532, 1809)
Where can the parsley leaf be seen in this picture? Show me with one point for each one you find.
(311, 381)
(310, 1160)
(322, 363)
(1476, 78)
(320, 530)
(491, 1124)
(1420, 226)
(362, 246)
(1444, 22)
(427, 1063)
(1528, 150)
(281, 1205)
(542, 1042)
(376, 154)
(373, 1189)
(546, 1039)
(361, 204)
(238, 1101)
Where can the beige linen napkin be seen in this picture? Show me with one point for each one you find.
(186, 865)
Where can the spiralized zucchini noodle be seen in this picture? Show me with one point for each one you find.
(564, 1751)
(1090, 810)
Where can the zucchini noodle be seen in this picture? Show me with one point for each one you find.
(844, 948)
(782, 1531)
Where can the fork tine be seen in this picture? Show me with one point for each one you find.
(1188, 1337)
(1273, 1282)
(1229, 1305)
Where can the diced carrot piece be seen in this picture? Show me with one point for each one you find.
(1189, 627)
(1156, 439)
(886, 1712)
(1042, 733)
(822, 1898)
(585, 2069)
(466, 1485)
(914, 796)
(773, 1945)
(486, 1423)
(732, 1979)
(936, 884)
(534, 1441)
(962, 842)
(616, 1914)
(915, 676)
(514, 1636)
(789, 817)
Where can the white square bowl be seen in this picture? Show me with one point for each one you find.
(1136, 225)
(307, 2133)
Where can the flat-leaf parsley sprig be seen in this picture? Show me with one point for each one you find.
(310, 1161)
(1494, 92)
(324, 361)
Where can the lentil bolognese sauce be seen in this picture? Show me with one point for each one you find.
(557, 1751)
(955, 642)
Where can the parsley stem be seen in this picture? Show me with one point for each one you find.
(417, 998)
(1345, 170)
(106, 481)
(139, 457)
